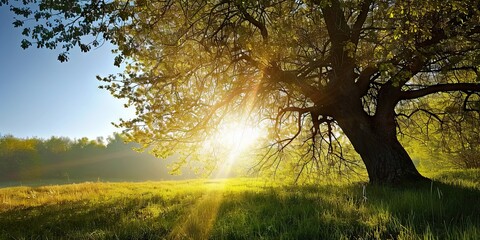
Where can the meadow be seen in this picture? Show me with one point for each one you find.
(446, 208)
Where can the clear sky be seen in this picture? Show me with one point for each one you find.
(41, 97)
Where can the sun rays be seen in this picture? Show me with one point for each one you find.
(231, 142)
(198, 221)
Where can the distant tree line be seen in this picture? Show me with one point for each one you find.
(85, 159)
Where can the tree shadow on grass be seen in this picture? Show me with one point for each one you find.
(328, 212)
(437, 209)
(296, 214)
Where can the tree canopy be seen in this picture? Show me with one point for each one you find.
(313, 73)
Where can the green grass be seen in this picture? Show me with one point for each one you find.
(448, 208)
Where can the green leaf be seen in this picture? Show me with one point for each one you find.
(18, 23)
(25, 44)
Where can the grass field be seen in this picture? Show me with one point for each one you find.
(448, 208)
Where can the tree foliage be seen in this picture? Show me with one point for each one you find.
(312, 72)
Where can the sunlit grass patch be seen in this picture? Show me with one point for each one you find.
(463, 178)
(242, 209)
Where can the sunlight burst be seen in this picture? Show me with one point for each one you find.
(237, 137)
(232, 141)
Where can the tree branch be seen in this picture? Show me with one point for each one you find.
(276, 74)
(255, 22)
(363, 81)
(431, 114)
(465, 103)
(362, 16)
(337, 26)
(463, 87)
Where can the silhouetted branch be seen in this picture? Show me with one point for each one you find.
(463, 87)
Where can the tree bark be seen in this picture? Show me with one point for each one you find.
(375, 140)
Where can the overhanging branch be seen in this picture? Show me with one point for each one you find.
(463, 87)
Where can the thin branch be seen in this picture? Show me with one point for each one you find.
(255, 22)
(421, 110)
(449, 87)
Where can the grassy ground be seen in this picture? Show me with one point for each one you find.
(448, 208)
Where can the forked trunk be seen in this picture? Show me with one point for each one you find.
(385, 158)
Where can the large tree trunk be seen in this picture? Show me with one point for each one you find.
(375, 140)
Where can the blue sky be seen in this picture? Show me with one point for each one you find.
(41, 97)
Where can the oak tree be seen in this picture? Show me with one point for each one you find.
(311, 71)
